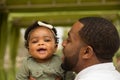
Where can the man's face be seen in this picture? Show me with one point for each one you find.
(71, 47)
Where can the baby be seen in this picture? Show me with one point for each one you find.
(42, 64)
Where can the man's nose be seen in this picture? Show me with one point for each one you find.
(64, 43)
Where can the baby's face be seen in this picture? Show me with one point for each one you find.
(41, 43)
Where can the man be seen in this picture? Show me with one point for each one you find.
(89, 48)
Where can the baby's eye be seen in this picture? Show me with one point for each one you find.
(47, 40)
(34, 41)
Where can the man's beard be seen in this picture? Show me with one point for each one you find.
(69, 63)
(66, 65)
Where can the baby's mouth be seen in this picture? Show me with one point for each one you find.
(41, 50)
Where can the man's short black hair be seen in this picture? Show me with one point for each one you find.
(101, 35)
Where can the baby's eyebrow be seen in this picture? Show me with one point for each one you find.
(47, 36)
(33, 38)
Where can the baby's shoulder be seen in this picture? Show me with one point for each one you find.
(28, 59)
(56, 57)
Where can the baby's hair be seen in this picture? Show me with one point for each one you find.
(37, 24)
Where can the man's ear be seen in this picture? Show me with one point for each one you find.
(88, 52)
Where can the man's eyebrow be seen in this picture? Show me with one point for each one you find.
(68, 34)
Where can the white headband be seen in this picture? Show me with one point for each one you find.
(45, 25)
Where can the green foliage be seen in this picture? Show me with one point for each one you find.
(23, 2)
(3, 43)
(13, 48)
(13, 42)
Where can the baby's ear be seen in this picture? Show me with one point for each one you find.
(56, 45)
(26, 44)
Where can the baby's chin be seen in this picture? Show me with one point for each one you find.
(43, 58)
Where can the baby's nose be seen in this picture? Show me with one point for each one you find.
(41, 43)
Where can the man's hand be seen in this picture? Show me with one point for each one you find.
(31, 78)
(58, 78)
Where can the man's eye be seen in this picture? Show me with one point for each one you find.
(68, 40)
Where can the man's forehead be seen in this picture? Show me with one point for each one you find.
(73, 34)
(76, 27)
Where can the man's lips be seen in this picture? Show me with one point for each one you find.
(63, 58)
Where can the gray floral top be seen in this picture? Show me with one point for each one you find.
(40, 71)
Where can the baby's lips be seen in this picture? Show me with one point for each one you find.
(40, 49)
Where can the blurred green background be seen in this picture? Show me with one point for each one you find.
(16, 15)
